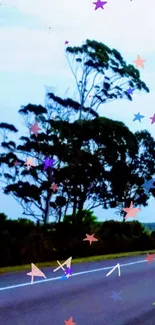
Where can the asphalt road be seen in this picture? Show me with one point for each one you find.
(85, 296)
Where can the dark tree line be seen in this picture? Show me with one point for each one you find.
(24, 242)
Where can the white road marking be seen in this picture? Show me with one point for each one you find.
(75, 274)
(115, 267)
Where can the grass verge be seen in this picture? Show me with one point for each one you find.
(74, 261)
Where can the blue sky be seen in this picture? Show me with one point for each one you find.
(32, 56)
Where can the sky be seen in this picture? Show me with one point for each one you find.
(32, 56)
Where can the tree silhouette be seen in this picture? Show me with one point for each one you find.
(94, 146)
(101, 73)
(127, 175)
(90, 152)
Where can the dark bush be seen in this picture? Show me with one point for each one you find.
(23, 242)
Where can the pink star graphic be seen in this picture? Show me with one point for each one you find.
(153, 119)
(99, 4)
(54, 187)
(90, 238)
(70, 321)
(150, 258)
(131, 211)
(29, 163)
(16, 163)
(34, 128)
(139, 62)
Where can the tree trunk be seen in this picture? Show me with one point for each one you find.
(126, 205)
(66, 208)
(59, 219)
(81, 204)
(38, 225)
(124, 214)
(47, 206)
(74, 205)
(48, 198)
(82, 200)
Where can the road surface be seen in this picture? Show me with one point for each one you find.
(86, 296)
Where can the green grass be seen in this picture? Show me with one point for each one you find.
(74, 261)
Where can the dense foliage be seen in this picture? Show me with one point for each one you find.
(23, 242)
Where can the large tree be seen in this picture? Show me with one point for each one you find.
(86, 150)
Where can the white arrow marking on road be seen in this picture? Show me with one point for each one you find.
(114, 268)
(67, 262)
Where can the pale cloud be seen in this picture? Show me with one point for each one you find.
(26, 50)
(125, 25)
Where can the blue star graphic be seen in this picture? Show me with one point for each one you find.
(138, 117)
(63, 277)
(148, 184)
(116, 296)
(130, 91)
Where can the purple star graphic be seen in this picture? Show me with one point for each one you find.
(99, 4)
(130, 91)
(153, 119)
(68, 271)
(48, 163)
(66, 42)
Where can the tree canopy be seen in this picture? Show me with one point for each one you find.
(101, 72)
(97, 161)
